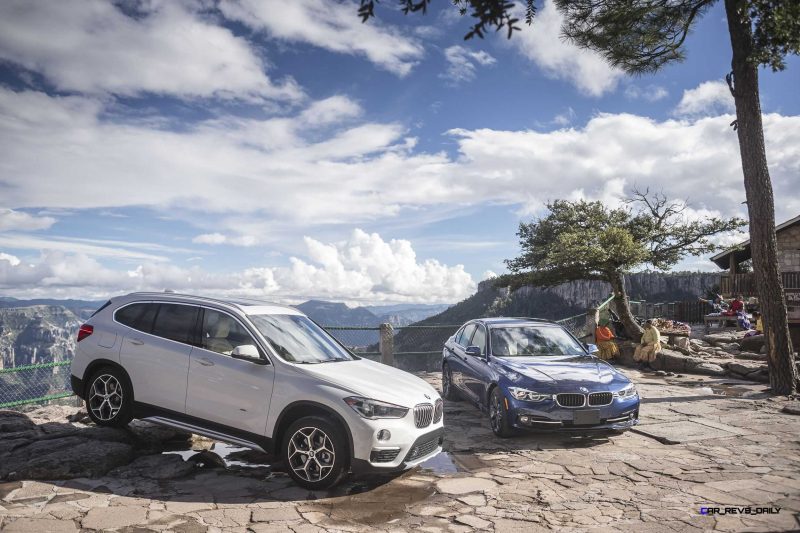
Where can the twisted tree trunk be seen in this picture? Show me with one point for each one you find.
(621, 302)
(760, 203)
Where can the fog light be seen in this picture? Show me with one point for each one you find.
(384, 434)
(523, 419)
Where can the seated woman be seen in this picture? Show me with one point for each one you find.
(604, 338)
(649, 347)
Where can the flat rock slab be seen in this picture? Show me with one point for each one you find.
(464, 485)
(685, 431)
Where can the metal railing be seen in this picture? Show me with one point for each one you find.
(34, 384)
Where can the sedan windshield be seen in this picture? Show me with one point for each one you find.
(531, 340)
(297, 339)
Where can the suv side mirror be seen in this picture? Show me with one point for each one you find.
(248, 352)
(473, 351)
(592, 348)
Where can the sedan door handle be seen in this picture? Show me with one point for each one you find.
(137, 342)
(205, 362)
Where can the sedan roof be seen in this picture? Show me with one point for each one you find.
(502, 321)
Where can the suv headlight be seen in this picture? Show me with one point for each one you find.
(528, 395)
(629, 390)
(369, 408)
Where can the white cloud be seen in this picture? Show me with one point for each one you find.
(362, 268)
(249, 175)
(564, 119)
(330, 25)
(210, 238)
(542, 44)
(13, 260)
(11, 220)
(708, 98)
(462, 63)
(91, 46)
(649, 93)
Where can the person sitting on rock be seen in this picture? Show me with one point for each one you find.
(717, 305)
(649, 347)
(604, 338)
(759, 325)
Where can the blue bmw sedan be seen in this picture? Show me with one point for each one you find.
(534, 374)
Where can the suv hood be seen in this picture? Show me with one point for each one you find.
(569, 371)
(373, 380)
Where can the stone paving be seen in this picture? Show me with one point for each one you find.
(703, 442)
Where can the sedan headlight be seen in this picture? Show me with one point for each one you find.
(629, 390)
(372, 409)
(528, 395)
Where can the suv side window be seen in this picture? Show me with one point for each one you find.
(222, 333)
(176, 322)
(466, 333)
(479, 339)
(137, 316)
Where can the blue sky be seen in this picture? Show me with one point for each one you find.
(285, 150)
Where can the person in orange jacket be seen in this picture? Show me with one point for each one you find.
(604, 338)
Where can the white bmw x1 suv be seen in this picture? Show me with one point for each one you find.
(255, 374)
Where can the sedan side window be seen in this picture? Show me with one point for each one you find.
(222, 333)
(466, 333)
(479, 339)
(176, 322)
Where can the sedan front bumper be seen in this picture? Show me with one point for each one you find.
(620, 414)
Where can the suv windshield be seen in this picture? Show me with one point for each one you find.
(297, 339)
(531, 340)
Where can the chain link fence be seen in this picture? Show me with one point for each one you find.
(34, 384)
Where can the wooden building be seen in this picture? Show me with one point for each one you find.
(735, 281)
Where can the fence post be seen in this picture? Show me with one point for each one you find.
(387, 344)
(592, 319)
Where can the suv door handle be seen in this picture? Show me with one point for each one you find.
(137, 342)
(205, 362)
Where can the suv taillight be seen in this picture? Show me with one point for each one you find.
(85, 331)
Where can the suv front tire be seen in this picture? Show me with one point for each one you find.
(315, 452)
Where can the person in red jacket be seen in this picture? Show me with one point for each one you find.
(604, 338)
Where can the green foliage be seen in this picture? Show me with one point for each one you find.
(584, 240)
(776, 31)
(497, 14)
(635, 35)
(638, 36)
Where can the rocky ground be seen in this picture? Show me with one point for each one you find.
(721, 352)
(703, 442)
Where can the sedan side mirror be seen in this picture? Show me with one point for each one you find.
(248, 352)
(592, 348)
(474, 351)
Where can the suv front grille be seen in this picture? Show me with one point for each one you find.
(423, 415)
(570, 400)
(600, 398)
(438, 409)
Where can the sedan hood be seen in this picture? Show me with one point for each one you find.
(374, 380)
(562, 373)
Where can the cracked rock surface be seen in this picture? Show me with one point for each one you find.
(702, 442)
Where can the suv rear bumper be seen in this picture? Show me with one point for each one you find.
(77, 385)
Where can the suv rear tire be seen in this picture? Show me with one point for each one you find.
(315, 452)
(109, 397)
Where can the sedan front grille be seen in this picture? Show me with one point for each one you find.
(600, 398)
(571, 400)
(438, 409)
(423, 415)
